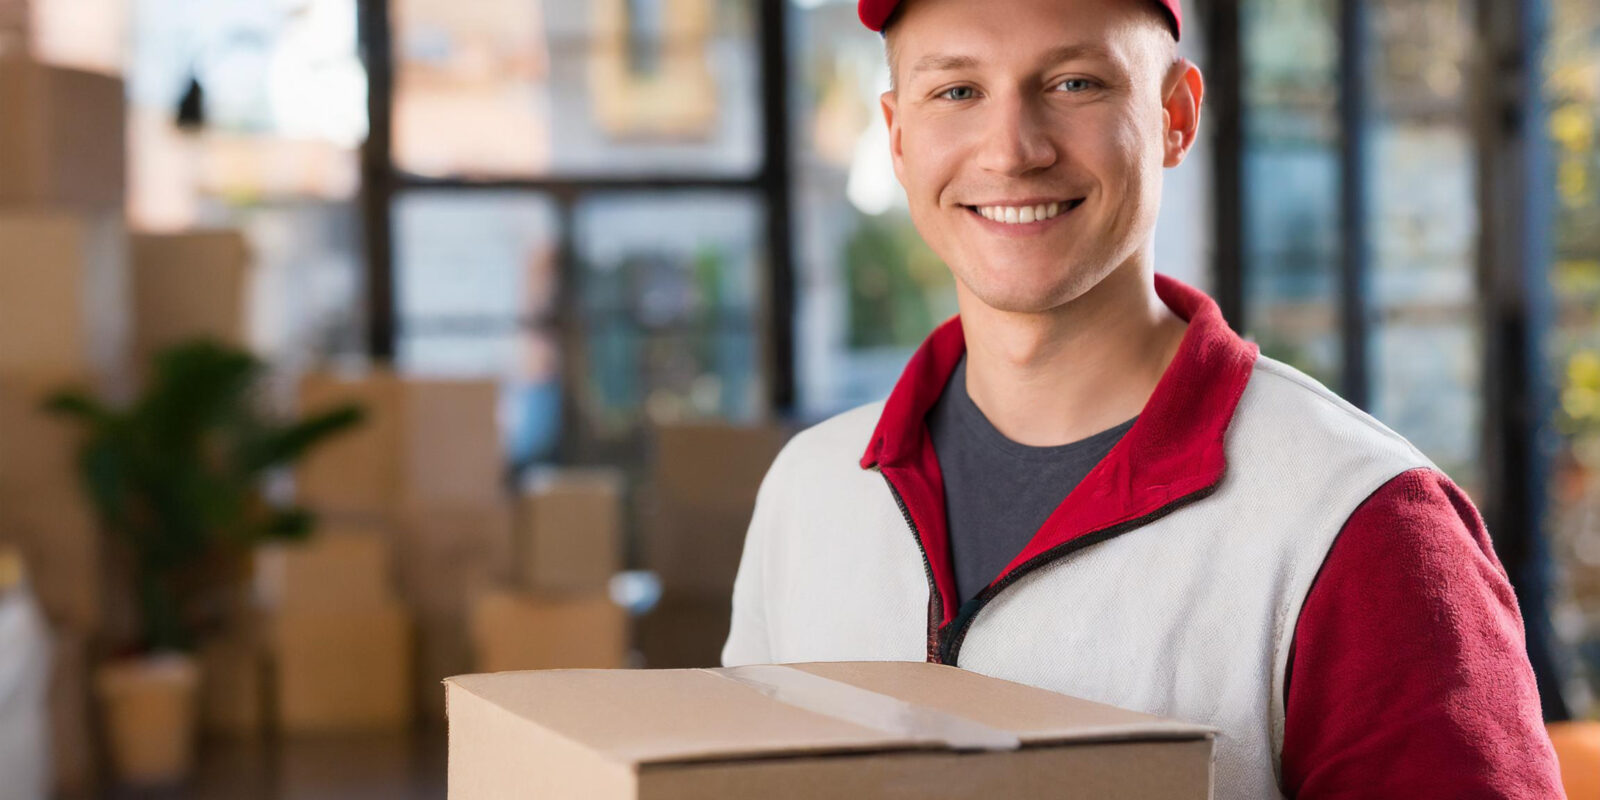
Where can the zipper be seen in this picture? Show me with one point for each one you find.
(956, 633)
(935, 600)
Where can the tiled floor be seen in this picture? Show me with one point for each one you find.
(397, 767)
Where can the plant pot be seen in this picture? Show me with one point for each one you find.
(149, 707)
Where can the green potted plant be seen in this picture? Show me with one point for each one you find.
(177, 478)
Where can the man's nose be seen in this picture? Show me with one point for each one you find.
(1017, 139)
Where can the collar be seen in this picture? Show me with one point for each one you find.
(1173, 450)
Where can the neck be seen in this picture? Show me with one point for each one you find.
(1055, 377)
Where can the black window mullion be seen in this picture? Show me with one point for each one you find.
(1355, 264)
(1514, 257)
(776, 185)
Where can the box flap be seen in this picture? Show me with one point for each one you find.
(674, 716)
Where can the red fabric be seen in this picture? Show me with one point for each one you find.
(1409, 675)
(874, 13)
(1173, 450)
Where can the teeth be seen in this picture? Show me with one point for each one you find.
(1021, 215)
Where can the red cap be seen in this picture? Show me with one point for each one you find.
(874, 13)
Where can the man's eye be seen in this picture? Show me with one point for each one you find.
(957, 93)
(1074, 85)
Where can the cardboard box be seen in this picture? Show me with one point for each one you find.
(569, 531)
(684, 630)
(342, 670)
(186, 286)
(63, 292)
(703, 490)
(452, 448)
(353, 473)
(14, 27)
(516, 630)
(60, 541)
(857, 730)
(448, 558)
(61, 138)
(38, 450)
(233, 684)
(73, 747)
(332, 570)
(424, 443)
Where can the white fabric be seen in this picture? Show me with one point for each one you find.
(1189, 616)
(24, 698)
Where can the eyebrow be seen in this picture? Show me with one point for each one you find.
(942, 62)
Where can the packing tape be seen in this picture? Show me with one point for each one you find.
(867, 708)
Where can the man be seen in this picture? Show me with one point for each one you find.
(1087, 482)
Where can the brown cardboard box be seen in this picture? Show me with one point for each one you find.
(188, 285)
(339, 570)
(684, 630)
(449, 557)
(704, 482)
(342, 670)
(14, 26)
(424, 443)
(850, 729)
(232, 684)
(452, 449)
(61, 137)
(73, 747)
(515, 630)
(569, 533)
(63, 291)
(353, 473)
(38, 450)
(714, 465)
(60, 541)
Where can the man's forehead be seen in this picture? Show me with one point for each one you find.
(876, 13)
(934, 62)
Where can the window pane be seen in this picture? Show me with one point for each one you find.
(1427, 351)
(670, 305)
(272, 150)
(1292, 173)
(504, 88)
(868, 289)
(1572, 86)
(476, 280)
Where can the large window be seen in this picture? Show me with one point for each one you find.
(1572, 82)
(1291, 177)
(243, 115)
(580, 202)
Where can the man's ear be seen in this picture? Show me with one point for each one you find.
(891, 118)
(1182, 92)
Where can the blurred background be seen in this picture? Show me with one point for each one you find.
(346, 345)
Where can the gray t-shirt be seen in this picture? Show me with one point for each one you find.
(997, 492)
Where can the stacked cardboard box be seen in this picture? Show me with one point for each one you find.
(704, 479)
(569, 530)
(233, 688)
(63, 322)
(519, 630)
(426, 467)
(188, 285)
(61, 138)
(340, 642)
(13, 28)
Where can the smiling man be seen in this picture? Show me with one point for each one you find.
(1087, 482)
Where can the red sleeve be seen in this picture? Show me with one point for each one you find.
(1409, 674)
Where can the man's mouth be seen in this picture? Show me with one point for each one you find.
(1025, 214)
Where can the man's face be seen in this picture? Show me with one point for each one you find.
(1007, 108)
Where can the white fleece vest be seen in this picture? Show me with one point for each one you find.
(1189, 616)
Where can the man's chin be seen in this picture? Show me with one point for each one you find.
(1023, 297)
